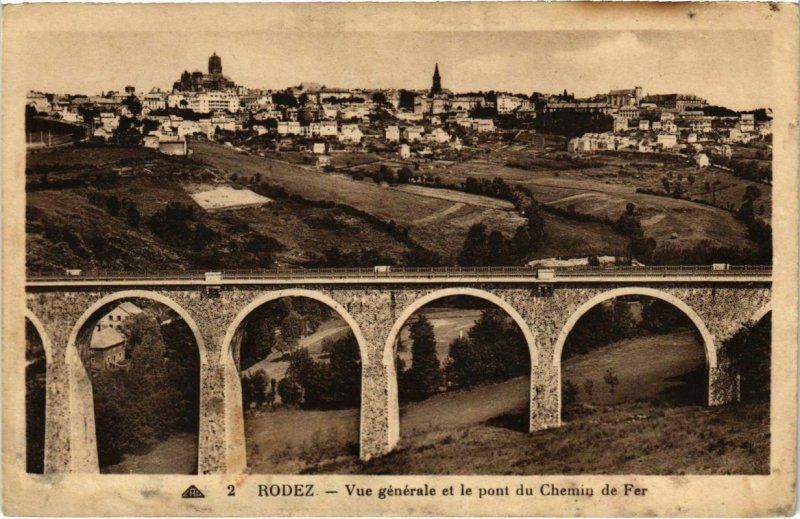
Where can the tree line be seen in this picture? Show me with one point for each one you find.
(333, 382)
(493, 349)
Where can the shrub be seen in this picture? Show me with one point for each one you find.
(290, 392)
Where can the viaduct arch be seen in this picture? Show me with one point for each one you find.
(375, 306)
(416, 305)
(761, 313)
(234, 414)
(48, 358)
(84, 445)
(708, 339)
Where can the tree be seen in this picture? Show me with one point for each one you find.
(254, 389)
(112, 205)
(474, 252)
(132, 216)
(143, 402)
(495, 349)
(133, 104)
(404, 175)
(312, 376)
(496, 248)
(522, 242)
(611, 379)
(661, 317)
(630, 226)
(292, 327)
(751, 194)
(379, 98)
(407, 99)
(345, 368)
(290, 392)
(536, 229)
(424, 378)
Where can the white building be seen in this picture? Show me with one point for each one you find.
(154, 101)
(207, 102)
(506, 104)
(439, 136)
(38, 101)
(328, 129)
(323, 161)
(405, 151)
(746, 123)
(413, 133)
(701, 160)
(289, 128)
(483, 125)
(392, 134)
(669, 126)
(667, 140)
(350, 133)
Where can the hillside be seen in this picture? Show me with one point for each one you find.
(78, 202)
(70, 222)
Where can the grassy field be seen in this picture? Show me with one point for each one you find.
(437, 219)
(441, 231)
(612, 180)
(635, 438)
(176, 455)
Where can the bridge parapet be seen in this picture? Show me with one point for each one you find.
(404, 275)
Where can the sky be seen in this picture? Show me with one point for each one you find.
(731, 68)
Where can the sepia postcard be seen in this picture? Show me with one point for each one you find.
(400, 259)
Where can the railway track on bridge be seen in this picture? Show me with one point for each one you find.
(406, 274)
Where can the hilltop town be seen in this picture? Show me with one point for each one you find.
(553, 176)
(434, 123)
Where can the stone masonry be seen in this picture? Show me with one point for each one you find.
(65, 315)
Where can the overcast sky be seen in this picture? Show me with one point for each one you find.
(730, 68)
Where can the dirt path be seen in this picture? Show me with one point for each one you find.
(441, 214)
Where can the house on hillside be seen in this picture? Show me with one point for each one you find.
(173, 146)
(413, 133)
(107, 349)
(323, 161)
(107, 345)
(667, 140)
(483, 125)
(151, 140)
(438, 136)
(701, 160)
(350, 133)
(103, 133)
(117, 316)
(392, 134)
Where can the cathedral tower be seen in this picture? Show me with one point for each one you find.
(436, 88)
(214, 64)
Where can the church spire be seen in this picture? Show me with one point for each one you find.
(436, 87)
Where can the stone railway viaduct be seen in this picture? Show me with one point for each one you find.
(545, 303)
